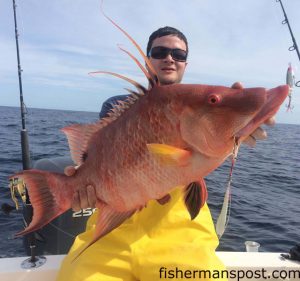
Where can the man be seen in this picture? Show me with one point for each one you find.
(160, 241)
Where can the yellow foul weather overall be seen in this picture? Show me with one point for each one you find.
(160, 242)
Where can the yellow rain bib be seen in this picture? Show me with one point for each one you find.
(159, 243)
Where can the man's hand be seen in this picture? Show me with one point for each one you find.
(84, 197)
(259, 133)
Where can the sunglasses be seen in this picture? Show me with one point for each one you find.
(160, 52)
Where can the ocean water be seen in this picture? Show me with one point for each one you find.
(265, 189)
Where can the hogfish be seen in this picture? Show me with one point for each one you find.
(160, 138)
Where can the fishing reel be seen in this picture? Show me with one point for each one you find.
(18, 188)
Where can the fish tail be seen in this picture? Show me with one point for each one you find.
(44, 190)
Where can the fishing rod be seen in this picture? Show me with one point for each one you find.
(294, 47)
(33, 261)
(24, 135)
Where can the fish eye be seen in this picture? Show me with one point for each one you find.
(214, 99)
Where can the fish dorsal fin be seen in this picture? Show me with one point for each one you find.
(142, 90)
(195, 197)
(122, 106)
(147, 74)
(78, 136)
(133, 95)
(151, 70)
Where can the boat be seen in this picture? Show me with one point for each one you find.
(240, 266)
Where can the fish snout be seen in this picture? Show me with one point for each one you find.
(254, 99)
(278, 95)
(273, 98)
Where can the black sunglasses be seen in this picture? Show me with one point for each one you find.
(160, 52)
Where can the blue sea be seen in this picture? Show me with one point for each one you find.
(265, 189)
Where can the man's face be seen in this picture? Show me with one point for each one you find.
(168, 70)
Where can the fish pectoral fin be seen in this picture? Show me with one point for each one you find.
(169, 155)
(108, 219)
(195, 197)
(164, 200)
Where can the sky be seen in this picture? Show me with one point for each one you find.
(61, 41)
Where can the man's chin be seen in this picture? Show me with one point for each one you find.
(168, 81)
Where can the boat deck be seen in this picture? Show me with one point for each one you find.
(240, 266)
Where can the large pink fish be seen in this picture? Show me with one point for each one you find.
(160, 138)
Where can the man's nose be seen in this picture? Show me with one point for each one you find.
(169, 58)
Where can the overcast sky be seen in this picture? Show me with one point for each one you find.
(62, 40)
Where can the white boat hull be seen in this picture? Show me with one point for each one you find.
(238, 263)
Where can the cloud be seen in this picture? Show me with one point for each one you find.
(62, 41)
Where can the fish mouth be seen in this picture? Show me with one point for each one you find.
(274, 98)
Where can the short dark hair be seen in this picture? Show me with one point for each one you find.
(164, 31)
